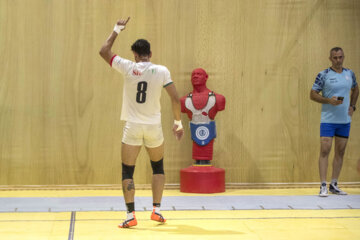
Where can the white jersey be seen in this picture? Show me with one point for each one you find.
(143, 83)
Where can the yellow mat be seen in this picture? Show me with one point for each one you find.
(247, 224)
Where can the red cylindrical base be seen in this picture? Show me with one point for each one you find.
(202, 179)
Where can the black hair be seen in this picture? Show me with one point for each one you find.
(141, 47)
(335, 49)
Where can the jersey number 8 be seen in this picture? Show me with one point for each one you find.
(141, 92)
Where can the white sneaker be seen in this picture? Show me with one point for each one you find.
(323, 191)
(333, 188)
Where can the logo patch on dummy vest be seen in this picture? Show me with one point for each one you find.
(203, 133)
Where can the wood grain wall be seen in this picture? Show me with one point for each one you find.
(60, 102)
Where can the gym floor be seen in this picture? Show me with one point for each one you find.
(235, 214)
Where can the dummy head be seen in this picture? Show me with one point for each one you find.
(199, 77)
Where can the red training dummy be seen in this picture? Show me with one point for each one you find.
(201, 106)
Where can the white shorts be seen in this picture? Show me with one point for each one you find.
(137, 134)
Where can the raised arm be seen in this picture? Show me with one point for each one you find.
(176, 108)
(105, 51)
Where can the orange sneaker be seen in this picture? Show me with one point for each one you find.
(157, 217)
(128, 223)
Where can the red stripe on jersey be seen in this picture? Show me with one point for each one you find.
(112, 60)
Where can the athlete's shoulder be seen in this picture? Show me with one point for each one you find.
(320, 80)
(160, 67)
(121, 61)
(348, 70)
(160, 70)
(122, 65)
(325, 72)
(119, 58)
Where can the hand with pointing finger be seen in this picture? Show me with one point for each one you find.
(120, 25)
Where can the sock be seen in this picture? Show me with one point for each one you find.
(156, 207)
(130, 207)
(323, 183)
(130, 210)
(334, 181)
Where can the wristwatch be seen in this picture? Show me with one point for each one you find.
(353, 106)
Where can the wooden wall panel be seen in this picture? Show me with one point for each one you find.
(60, 102)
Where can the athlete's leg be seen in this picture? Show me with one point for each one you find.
(158, 180)
(340, 146)
(129, 154)
(131, 144)
(154, 144)
(325, 147)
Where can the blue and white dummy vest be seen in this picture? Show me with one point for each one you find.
(203, 129)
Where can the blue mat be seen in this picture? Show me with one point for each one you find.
(67, 204)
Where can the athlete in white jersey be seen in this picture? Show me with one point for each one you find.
(143, 83)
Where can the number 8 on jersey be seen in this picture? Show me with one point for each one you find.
(141, 92)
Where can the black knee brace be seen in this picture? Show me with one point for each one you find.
(157, 167)
(127, 171)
